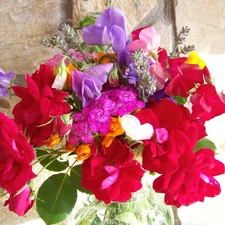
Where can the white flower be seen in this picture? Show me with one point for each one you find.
(61, 76)
(135, 130)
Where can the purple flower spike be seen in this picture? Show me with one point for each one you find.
(5, 79)
(109, 28)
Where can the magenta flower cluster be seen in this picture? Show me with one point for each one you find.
(97, 116)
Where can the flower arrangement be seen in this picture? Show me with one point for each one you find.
(102, 114)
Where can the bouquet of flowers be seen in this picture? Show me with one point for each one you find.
(106, 111)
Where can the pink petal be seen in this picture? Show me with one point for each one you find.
(137, 44)
(110, 180)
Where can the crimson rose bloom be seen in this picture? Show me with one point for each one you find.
(20, 203)
(192, 181)
(174, 134)
(39, 104)
(111, 174)
(183, 77)
(15, 157)
(206, 103)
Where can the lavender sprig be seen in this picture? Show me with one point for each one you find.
(179, 40)
(146, 82)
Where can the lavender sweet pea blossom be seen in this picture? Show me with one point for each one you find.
(109, 28)
(5, 79)
(88, 84)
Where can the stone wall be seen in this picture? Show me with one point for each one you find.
(24, 22)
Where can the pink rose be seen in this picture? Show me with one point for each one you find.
(15, 158)
(20, 203)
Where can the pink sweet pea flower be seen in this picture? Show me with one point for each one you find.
(148, 39)
(55, 60)
(20, 203)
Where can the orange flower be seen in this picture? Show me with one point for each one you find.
(115, 130)
(69, 147)
(83, 152)
(70, 68)
(106, 57)
(53, 140)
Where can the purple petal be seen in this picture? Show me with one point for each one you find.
(93, 35)
(118, 38)
(87, 87)
(5, 79)
(99, 70)
(112, 16)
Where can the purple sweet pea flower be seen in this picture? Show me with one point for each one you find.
(131, 74)
(109, 28)
(88, 84)
(5, 79)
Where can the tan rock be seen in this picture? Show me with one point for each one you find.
(206, 18)
(134, 11)
(23, 24)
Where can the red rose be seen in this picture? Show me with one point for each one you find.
(111, 174)
(183, 77)
(20, 203)
(39, 105)
(192, 181)
(206, 103)
(174, 135)
(15, 157)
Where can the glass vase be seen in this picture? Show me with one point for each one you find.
(146, 207)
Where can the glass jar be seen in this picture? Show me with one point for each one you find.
(144, 208)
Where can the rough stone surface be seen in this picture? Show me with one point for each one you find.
(134, 11)
(23, 24)
(206, 18)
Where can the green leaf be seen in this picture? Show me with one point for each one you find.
(55, 165)
(56, 198)
(89, 19)
(204, 143)
(180, 100)
(75, 175)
